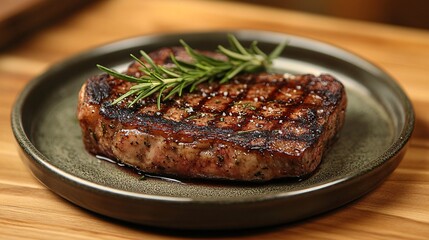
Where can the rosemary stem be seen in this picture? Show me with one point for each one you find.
(173, 80)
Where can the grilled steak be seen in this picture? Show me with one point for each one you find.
(257, 127)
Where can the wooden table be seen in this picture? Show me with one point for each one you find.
(398, 209)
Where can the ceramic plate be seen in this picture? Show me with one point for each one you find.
(379, 122)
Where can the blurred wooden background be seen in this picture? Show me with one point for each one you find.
(20, 18)
(409, 13)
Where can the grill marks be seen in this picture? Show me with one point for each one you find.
(249, 104)
(241, 100)
(257, 111)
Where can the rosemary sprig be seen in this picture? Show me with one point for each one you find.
(168, 82)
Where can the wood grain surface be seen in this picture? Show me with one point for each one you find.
(398, 209)
(20, 18)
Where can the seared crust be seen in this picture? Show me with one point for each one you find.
(257, 127)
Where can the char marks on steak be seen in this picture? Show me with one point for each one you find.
(257, 127)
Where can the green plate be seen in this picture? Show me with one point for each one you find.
(379, 122)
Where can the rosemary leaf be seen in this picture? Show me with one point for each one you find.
(277, 51)
(256, 50)
(122, 76)
(149, 61)
(137, 60)
(234, 72)
(122, 97)
(234, 55)
(237, 45)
